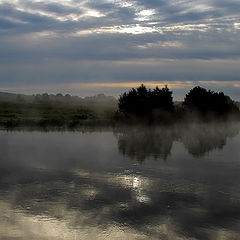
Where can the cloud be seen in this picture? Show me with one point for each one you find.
(45, 34)
(114, 77)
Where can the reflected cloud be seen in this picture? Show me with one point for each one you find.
(71, 185)
(53, 209)
(24, 225)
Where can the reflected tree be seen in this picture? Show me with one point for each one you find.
(141, 144)
(203, 138)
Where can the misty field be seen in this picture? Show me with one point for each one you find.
(139, 105)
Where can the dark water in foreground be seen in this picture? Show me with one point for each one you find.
(135, 183)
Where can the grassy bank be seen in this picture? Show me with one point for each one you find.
(57, 111)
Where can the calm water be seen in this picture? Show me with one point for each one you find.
(179, 182)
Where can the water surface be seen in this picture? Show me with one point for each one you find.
(178, 182)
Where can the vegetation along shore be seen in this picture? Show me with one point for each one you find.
(138, 105)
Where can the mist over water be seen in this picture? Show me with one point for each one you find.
(172, 182)
(198, 139)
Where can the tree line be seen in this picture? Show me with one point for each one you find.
(157, 104)
(136, 105)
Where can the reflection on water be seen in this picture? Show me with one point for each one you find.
(74, 185)
(141, 143)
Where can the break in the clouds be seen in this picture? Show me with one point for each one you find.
(62, 42)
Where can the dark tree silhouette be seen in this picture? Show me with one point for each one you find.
(143, 102)
(205, 101)
(135, 101)
(162, 99)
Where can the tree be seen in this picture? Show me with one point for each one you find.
(143, 102)
(162, 99)
(206, 101)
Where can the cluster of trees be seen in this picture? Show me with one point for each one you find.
(142, 102)
(207, 101)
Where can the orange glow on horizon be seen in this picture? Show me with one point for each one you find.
(160, 84)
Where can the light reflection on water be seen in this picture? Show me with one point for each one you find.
(129, 183)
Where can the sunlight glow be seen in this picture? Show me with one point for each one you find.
(124, 29)
(187, 27)
(135, 29)
(145, 15)
(161, 45)
(237, 25)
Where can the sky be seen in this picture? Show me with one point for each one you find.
(108, 46)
